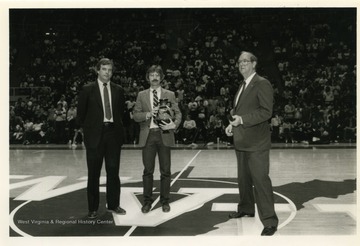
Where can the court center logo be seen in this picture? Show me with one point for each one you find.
(45, 207)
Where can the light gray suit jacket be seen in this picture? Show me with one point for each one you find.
(143, 106)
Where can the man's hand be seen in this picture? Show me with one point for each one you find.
(228, 130)
(167, 126)
(154, 111)
(237, 120)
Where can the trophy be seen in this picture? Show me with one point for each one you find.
(165, 113)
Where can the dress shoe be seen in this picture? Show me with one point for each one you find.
(166, 207)
(92, 214)
(269, 231)
(236, 215)
(146, 208)
(118, 210)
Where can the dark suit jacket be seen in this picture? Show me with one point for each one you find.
(90, 114)
(255, 107)
(143, 105)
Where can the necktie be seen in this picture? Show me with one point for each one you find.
(155, 103)
(107, 103)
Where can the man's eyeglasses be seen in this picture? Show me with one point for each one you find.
(245, 62)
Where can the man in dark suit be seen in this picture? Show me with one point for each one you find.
(99, 112)
(156, 137)
(249, 126)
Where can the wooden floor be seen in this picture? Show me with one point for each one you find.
(314, 187)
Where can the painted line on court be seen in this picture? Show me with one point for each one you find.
(293, 210)
(184, 169)
(131, 230)
(12, 224)
(349, 209)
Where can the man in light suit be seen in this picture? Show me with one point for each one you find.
(100, 112)
(249, 126)
(155, 137)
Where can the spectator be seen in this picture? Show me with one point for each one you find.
(60, 124)
(189, 130)
(131, 127)
(70, 118)
(28, 132)
(286, 131)
(289, 110)
(328, 96)
(275, 127)
(17, 135)
(201, 126)
(63, 102)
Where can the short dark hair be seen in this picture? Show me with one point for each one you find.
(104, 61)
(157, 69)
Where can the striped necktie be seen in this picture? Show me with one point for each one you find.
(155, 103)
(107, 102)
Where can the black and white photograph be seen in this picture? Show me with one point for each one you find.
(187, 123)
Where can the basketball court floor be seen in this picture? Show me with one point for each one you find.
(314, 188)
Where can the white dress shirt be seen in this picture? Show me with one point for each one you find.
(247, 81)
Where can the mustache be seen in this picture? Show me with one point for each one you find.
(155, 80)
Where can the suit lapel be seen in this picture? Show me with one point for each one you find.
(236, 95)
(113, 96)
(96, 91)
(250, 85)
(147, 99)
(247, 90)
(162, 94)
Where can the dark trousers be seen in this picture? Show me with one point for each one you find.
(253, 171)
(60, 134)
(108, 150)
(154, 145)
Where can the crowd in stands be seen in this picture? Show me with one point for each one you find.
(314, 82)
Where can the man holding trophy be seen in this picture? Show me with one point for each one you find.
(159, 116)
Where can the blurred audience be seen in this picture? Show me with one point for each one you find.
(314, 77)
